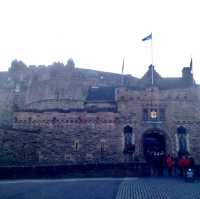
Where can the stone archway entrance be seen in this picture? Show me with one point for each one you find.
(154, 144)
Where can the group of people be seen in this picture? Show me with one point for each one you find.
(174, 165)
(179, 165)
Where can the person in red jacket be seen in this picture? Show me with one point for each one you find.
(169, 164)
(184, 163)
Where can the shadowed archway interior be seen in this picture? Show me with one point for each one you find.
(153, 142)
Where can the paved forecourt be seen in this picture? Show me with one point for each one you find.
(158, 188)
(101, 188)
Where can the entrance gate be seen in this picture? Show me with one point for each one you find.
(154, 144)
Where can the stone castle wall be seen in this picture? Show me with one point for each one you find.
(18, 146)
(47, 119)
(70, 138)
(60, 131)
(181, 107)
(6, 105)
(49, 87)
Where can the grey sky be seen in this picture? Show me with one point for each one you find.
(97, 34)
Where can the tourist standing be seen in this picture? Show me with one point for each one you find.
(176, 166)
(181, 164)
(169, 164)
(184, 163)
(192, 163)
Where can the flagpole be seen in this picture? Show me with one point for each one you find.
(149, 37)
(191, 63)
(191, 68)
(152, 66)
(122, 73)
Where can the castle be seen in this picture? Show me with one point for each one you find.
(60, 114)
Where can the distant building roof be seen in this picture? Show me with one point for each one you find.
(107, 93)
(162, 83)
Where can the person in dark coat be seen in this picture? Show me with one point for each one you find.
(181, 164)
(192, 163)
(169, 164)
(176, 166)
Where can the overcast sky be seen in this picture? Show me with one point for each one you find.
(97, 34)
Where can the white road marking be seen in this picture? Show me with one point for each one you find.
(61, 180)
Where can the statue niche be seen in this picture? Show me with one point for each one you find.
(129, 147)
(182, 140)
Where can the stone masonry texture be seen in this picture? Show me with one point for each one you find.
(60, 114)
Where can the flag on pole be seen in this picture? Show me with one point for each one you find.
(123, 67)
(149, 37)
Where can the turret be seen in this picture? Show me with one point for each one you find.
(187, 75)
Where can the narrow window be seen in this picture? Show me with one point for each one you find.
(162, 114)
(76, 145)
(145, 114)
(67, 156)
(29, 120)
(17, 88)
(102, 146)
(15, 119)
(54, 120)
